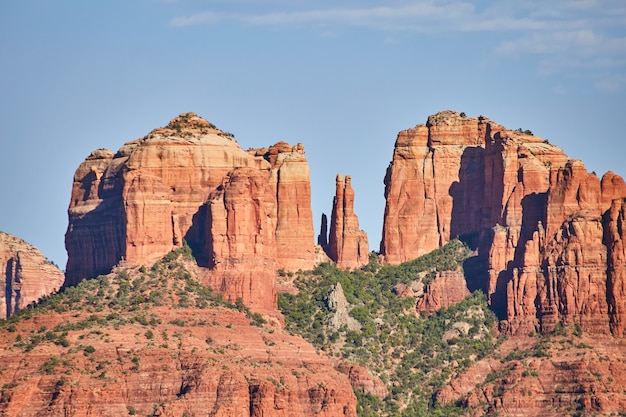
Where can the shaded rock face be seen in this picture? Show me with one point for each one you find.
(615, 233)
(27, 275)
(436, 169)
(140, 203)
(347, 245)
(240, 237)
(539, 220)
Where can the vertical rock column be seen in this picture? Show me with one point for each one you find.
(347, 244)
(240, 239)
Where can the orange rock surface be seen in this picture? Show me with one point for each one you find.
(135, 206)
(166, 361)
(447, 289)
(545, 236)
(572, 375)
(348, 246)
(27, 275)
(291, 186)
(240, 239)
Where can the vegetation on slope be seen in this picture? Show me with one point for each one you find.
(406, 351)
(112, 330)
(166, 283)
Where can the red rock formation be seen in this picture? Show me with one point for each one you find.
(347, 244)
(138, 204)
(240, 237)
(217, 365)
(434, 185)
(565, 270)
(290, 180)
(447, 289)
(361, 379)
(27, 275)
(615, 235)
(538, 217)
(589, 379)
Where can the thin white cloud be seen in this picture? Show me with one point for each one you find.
(611, 83)
(565, 35)
(381, 18)
(204, 18)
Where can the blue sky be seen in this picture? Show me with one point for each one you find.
(342, 79)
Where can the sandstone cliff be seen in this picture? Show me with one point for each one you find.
(136, 205)
(27, 275)
(240, 237)
(347, 245)
(539, 220)
(290, 184)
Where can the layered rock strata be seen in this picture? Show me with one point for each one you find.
(240, 234)
(217, 365)
(27, 275)
(347, 244)
(290, 184)
(540, 221)
(138, 204)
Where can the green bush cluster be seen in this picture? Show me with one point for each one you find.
(403, 349)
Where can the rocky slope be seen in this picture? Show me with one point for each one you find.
(564, 374)
(540, 220)
(136, 205)
(153, 341)
(27, 275)
(347, 244)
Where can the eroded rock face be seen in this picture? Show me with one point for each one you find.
(27, 275)
(615, 233)
(138, 204)
(540, 220)
(566, 270)
(291, 185)
(347, 246)
(240, 238)
(591, 379)
(361, 379)
(434, 185)
(447, 289)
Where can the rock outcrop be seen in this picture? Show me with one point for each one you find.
(446, 289)
(340, 310)
(615, 238)
(290, 184)
(347, 245)
(136, 205)
(240, 237)
(27, 275)
(361, 379)
(545, 235)
(434, 185)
